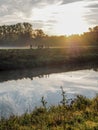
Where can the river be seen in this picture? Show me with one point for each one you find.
(21, 91)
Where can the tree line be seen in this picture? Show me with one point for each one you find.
(23, 34)
(15, 35)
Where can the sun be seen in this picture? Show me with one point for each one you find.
(70, 25)
(68, 19)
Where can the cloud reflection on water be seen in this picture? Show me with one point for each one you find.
(20, 95)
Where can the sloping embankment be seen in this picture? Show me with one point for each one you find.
(56, 57)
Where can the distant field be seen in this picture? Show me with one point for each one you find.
(31, 58)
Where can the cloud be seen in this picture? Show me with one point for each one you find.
(38, 24)
(70, 1)
(23, 8)
(14, 11)
(14, 6)
(93, 5)
(92, 16)
(8, 7)
(44, 25)
(49, 24)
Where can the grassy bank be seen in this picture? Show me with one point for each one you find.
(32, 58)
(80, 114)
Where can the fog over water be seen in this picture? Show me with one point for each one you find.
(19, 95)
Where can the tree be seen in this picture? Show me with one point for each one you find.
(39, 37)
(16, 35)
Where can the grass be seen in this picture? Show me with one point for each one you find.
(80, 114)
(47, 57)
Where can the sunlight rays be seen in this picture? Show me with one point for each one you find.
(68, 18)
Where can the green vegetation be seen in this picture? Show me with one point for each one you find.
(80, 113)
(48, 57)
(70, 51)
(77, 51)
(23, 34)
(15, 35)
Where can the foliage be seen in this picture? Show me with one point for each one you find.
(15, 35)
(48, 57)
(79, 50)
(80, 114)
(22, 34)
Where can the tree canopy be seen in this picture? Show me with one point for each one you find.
(23, 34)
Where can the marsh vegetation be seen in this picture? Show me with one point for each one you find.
(80, 113)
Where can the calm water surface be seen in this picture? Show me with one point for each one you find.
(17, 95)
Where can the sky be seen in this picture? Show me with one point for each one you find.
(54, 17)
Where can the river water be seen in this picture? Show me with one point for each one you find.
(21, 91)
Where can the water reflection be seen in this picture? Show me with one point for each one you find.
(36, 72)
(18, 96)
(29, 73)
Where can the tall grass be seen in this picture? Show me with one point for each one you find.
(80, 114)
(31, 58)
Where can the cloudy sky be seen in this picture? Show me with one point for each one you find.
(55, 17)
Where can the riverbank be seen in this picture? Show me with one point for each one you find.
(11, 59)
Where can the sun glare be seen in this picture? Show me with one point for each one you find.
(71, 20)
(64, 19)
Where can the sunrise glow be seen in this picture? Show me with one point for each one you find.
(56, 17)
(60, 20)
